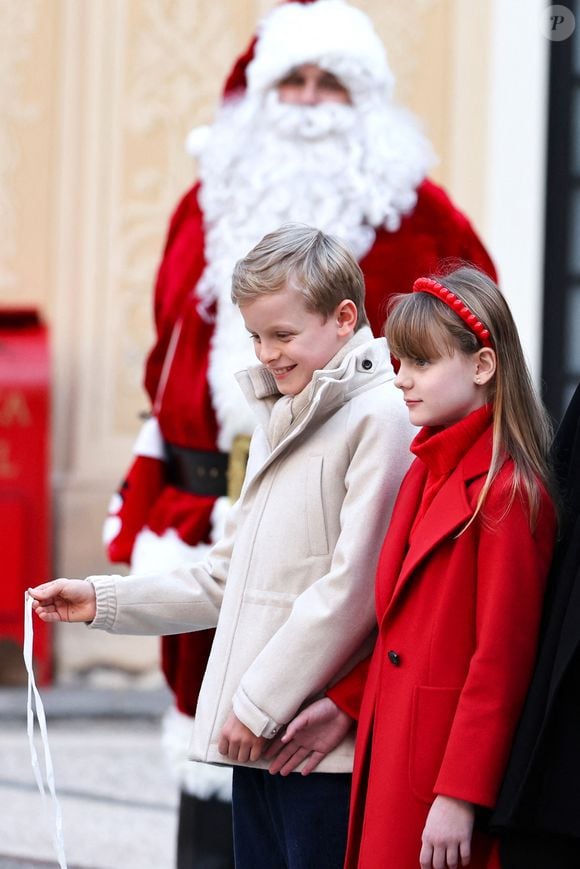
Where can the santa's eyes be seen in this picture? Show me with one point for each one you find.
(327, 82)
(330, 83)
(292, 80)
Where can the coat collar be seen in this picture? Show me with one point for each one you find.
(347, 372)
(365, 366)
(449, 511)
(441, 449)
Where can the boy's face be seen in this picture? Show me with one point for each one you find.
(293, 342)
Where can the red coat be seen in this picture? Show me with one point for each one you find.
(434, 231)
(458, 618)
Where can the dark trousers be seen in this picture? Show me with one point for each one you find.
(204, 836)
(291, 822)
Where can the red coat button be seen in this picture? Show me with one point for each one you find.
(394, 658)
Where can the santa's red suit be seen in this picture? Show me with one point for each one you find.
(168, 499)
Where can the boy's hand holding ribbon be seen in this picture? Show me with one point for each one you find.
(64, 600)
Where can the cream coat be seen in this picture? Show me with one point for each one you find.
(299, 554)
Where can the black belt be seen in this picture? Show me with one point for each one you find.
(196, 471)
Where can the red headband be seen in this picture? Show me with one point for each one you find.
(428, 285)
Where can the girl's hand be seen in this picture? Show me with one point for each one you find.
(447, 835)
(310, 736)
(237, 742)
(64, 600)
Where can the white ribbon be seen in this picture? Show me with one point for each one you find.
(39, 709)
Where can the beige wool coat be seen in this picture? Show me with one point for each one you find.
(290, 586)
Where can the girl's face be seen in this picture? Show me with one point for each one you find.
(443, 390)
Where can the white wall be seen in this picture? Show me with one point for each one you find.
(515, 160)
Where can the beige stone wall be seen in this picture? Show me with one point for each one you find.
(99, 96)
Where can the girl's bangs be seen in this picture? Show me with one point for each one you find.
(416, 331)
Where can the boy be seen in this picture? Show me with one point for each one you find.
(299, 551)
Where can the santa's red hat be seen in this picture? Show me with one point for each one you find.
(330, 33)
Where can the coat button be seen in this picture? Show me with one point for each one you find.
(394, 658)
(367, 364)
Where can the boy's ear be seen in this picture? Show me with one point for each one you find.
(346, 316)
(485, 365)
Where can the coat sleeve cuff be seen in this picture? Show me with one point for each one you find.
(106, 600)
(347, 692)
(253, 717)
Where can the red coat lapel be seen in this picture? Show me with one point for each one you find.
(449, 511)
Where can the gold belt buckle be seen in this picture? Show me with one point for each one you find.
(237, 463)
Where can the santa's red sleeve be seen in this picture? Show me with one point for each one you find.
(130, 505)
(178, 274)
(181, 266)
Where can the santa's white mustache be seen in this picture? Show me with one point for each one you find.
(308, 122)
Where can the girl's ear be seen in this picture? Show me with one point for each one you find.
(485, 365)
(346, 316)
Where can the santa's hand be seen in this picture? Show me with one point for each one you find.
(447, 835)
(309, 737)
(237, 742)
(64, 600)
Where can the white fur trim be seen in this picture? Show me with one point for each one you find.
(115, 504)
(111, 528)
(231, 351)
(197, 139)
(152, 553)
(221, 508)
(202, 780)
(149, 441)
(333, 34)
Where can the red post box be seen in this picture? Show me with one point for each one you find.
(25, 515)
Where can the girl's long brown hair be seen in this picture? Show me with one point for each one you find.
(422, 326)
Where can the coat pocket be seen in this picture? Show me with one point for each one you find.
(315, 524)
(432, 717)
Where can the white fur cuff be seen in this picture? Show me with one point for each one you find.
(202, 780)
(149, 441)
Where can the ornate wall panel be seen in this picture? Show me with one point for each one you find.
(26, 90)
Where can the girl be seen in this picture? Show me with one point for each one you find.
(459, 588)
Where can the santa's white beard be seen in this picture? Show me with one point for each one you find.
(268, 163)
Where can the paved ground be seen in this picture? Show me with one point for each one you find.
(117, 798)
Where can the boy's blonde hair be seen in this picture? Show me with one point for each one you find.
(422, 326)
(318, 265)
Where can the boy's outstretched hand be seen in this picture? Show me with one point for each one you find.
(309, 737)
(237, 742)
(64, 600)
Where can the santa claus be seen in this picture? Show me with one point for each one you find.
(307, 131)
